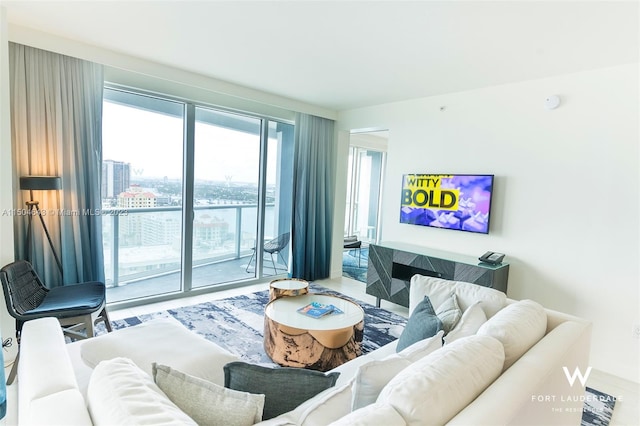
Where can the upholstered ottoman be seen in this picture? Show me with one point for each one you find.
(164, 341)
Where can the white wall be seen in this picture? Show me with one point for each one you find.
(566, 206)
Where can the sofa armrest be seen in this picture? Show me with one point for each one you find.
(535, 389)
(46, 377)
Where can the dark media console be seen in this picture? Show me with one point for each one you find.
(392, 264)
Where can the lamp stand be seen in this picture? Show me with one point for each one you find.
(35, 205)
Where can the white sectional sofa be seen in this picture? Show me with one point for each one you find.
(505, 362)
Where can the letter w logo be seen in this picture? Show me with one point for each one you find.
(571, 378)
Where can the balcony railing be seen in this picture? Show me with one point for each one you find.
(142, 243)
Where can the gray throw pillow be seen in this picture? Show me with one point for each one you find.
(284, 388)
(423, 323)
(208, 403)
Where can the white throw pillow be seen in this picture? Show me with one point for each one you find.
(373, 376)
(374, 414)
(120, 393)
(437, 387)
(467, 294)
(165, 341)
(449, 313)
(472, 319)
(206, 402)
(518, 327)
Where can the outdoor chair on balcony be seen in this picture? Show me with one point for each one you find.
(351, 242)
(277, 245)
(77, 306)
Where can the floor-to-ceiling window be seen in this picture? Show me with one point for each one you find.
(195, 194)
(364, 180)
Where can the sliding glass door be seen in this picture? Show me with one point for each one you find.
(142, 144)
(364, 180)
(197, 195)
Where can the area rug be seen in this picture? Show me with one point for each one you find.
(350, 266)
(236, 323)
(598, 408)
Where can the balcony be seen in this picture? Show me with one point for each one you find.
(143, 248)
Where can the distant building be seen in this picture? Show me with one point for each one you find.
(209, 231)
(135, 198)
(115, 178)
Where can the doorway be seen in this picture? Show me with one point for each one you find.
(367, 159)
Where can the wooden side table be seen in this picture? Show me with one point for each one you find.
(293, 339)
(287, 287)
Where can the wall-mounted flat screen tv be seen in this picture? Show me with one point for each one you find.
(460, 202)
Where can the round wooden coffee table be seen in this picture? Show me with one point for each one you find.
(287, 287)
(293, 339)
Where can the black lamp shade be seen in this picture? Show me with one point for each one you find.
(40, 183)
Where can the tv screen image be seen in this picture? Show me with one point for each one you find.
(460, 202)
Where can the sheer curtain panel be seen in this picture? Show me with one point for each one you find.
(314, 194)
(56, 113)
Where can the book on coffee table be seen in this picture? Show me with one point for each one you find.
(317, 310)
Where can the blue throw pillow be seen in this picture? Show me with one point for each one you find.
(423, 323)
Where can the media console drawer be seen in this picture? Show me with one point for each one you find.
(392, 264)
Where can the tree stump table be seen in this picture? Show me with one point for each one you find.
(293, 339)
(287, 287)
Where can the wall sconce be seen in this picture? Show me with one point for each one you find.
(39, 183)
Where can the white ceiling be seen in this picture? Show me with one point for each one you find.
(348, 54)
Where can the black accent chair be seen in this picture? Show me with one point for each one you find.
(352, 242)
(272, 247)
(77, 306)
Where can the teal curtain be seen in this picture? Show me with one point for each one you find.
(56, 113)
(314, 195)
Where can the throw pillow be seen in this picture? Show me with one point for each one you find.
(120, 393)
(518, 327)
(374, 414)
(422, 323)
(284, 388)
(432, 390)
(472, 319)
(206, 402)
(371, 377)
(449, 313)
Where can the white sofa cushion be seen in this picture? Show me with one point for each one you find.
(434, 389)
(45, 384)
(165, 341)
(467, 294)
(324, 408)
(374, 414)
(47, 411)
(471, 321)
(206, 402)
(120, 393)
(518, 327)
(373, 376)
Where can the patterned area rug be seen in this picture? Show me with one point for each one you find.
(598, 408)
(237, 323)
(353, 267)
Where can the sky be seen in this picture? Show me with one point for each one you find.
(152, 144)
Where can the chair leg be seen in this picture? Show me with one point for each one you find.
(283, 261)
(104, 316)
(249, 264)
(14, 369)
(275, 271)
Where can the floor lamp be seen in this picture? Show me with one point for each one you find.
(39, 183)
